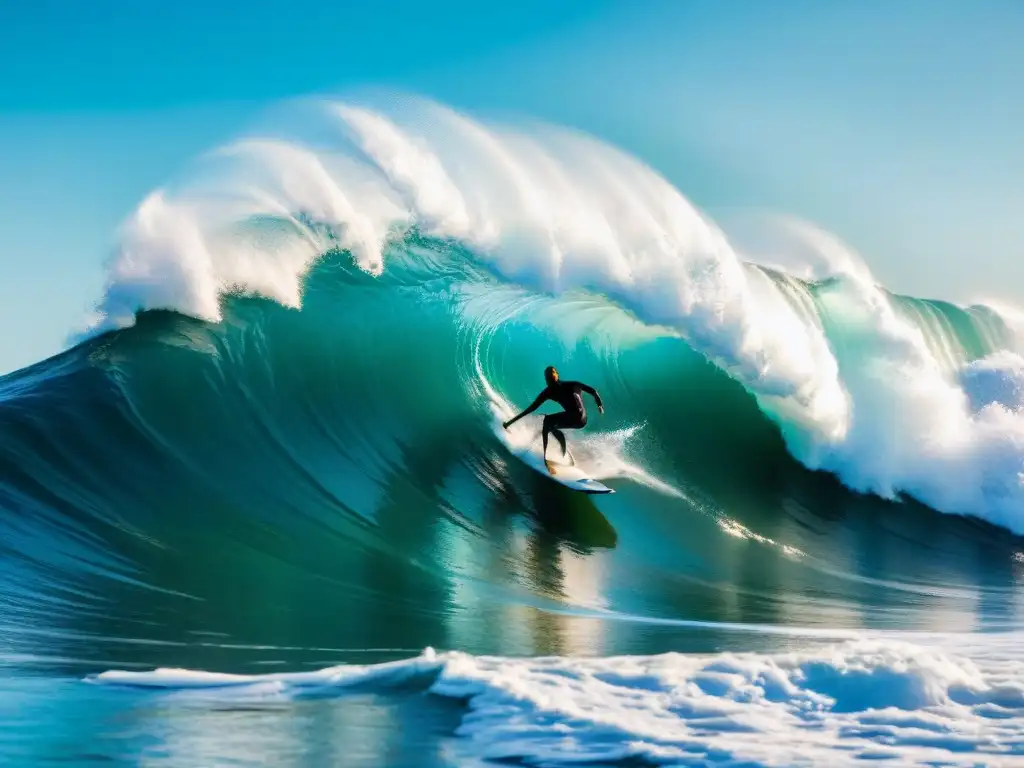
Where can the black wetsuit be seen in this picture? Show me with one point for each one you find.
(566, 394)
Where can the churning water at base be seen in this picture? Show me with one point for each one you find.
(240, 512)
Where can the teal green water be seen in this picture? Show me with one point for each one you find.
(292, 489)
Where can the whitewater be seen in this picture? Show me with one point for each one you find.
(260, 508)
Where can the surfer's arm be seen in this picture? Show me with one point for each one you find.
(593, 393)
(533, 407)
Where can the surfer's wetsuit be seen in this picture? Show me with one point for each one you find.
(566, 394)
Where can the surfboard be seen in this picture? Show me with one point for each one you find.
(568, 474)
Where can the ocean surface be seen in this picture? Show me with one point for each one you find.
(261, 510)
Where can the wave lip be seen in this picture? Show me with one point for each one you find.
(832, 705)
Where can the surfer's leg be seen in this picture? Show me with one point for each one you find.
(549, 427)
(556, 422)
(560, 438)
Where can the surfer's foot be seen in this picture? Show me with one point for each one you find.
(551, 467)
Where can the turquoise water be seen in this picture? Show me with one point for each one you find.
(275, 484)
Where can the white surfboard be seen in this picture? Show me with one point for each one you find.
(565, 472)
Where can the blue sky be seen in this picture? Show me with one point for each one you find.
(897, 126)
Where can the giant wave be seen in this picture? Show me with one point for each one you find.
(895, 396)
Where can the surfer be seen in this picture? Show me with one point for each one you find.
(574, 416)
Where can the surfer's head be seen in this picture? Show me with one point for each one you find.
(550, 375)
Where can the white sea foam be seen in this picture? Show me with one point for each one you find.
(856, 389)
(954, 441)
(839, 704)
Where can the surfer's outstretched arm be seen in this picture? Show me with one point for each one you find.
(593, 393)
(533, 407)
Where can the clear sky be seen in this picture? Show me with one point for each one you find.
(895, 125)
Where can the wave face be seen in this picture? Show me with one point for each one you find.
(275, 442)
